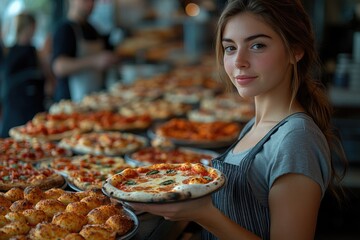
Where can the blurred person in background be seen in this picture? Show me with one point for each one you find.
(80, 55)
(23, 78)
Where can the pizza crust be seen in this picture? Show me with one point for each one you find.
(18, 135)
(179, 193)
(55, 180)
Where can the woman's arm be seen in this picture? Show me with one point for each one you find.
(294, 202)
(201, 211)
(64, 65)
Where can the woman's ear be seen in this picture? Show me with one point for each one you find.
(298, 55)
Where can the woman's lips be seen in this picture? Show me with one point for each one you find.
(244, 80)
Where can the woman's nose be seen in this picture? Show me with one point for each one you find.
(241, 59)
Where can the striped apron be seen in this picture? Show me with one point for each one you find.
(236, 200)
(90, 80)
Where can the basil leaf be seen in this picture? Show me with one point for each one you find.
(170, 171)
(152, 172)
(6, 178)
(22, 177)
(208, 178)
(167, 182)
(130, 182)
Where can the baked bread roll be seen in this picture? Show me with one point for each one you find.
(53, 193)
(4, 210)
(15, 228)
(94, 201)
(69, 221)
(3, 221)
(34, 216)
(33, 194)
(4, 201)
(14, 194)
(74, 236)
(50, 206)
(68, 197)
(100, 214)
(97, 232)
(19, 237)
(48, 231)
(120, 223)
(21, 205)
(15, 217)
(80, 208)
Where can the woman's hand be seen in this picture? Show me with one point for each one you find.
(189, 210)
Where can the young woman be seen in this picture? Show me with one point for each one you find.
(282, 164)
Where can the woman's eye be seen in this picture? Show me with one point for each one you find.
(228, 49)
(257, 46)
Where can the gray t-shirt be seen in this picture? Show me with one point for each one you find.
(298, 146)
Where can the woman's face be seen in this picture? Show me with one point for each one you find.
(255, 57)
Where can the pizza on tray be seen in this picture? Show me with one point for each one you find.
(158, 109)
(184, 131)
(19, 174)
(155, 155)
(54, 127)
(110, 121)
(103, 143)
(31, 151)
(84, 172)
(57, 214)
(103, 101)
(164, 183)
(49, 127)
(225, 107)
(67, 107)
(141, 89)
(188, 95)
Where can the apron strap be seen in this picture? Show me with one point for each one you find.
(260, 144)
(257, 147)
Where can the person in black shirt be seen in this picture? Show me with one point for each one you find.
(80, 55)
(22, 86)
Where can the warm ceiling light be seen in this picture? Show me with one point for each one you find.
(192, 9)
